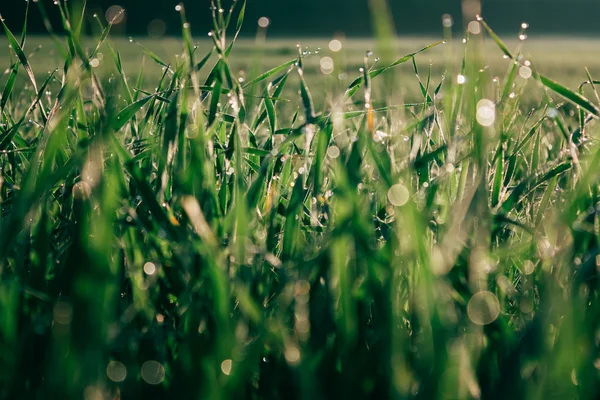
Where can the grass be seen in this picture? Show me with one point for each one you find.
(563, 58)
(185, 234)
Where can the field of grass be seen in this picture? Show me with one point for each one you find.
(169, 230)
(562, 58)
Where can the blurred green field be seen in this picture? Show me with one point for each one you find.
(174, 229)
(562, 58)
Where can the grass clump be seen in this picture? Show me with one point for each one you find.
(214, 238)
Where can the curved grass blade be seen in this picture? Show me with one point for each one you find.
(496, 39)
(105, 31)
(129, 112)
(238, 28)
(204, 60)
(497, 184)
(214, 101)
(20, 54)
(570, 95)
(270, 73)
(529, 185)
(556, 87)
(24, 32)
(355, 85)
(150, 53)
(9, 86)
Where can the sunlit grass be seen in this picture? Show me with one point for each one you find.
(420, 227)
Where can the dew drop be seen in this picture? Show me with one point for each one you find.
(264, 22)
(398, 195)
(153, 372)
(335, 45)
(528, 267)
(333, 152)
(226, 367)
(116, 371)
(483, 308)
(447, 21)
(486, 112)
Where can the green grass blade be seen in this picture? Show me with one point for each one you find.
(20, 54)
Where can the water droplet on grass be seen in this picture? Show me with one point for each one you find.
(486, 112)
(116, 371)
(335, 45)
(447, 21)
(292, 354)
(474, 27)
(149, 268)
(115, 15)
(483, 308)
(380, 136)
(528, 267)
(264, 22)
(398, 195)
(552, 113)
(153, 372)
(327, 65)
(333, 152)
(525, 72)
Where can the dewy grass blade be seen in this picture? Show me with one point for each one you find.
(270, 73)
(105, 31)
(355, 85)
(556, 87)
(8, 87)
(14, 44)
(497, 183)
(239, 24)
(214, 100)
(150, 53)
(24, 31)
(125, 115)
(496, 39)
(571, 95)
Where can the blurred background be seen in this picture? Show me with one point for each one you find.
(560, 35)
(302, 18)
